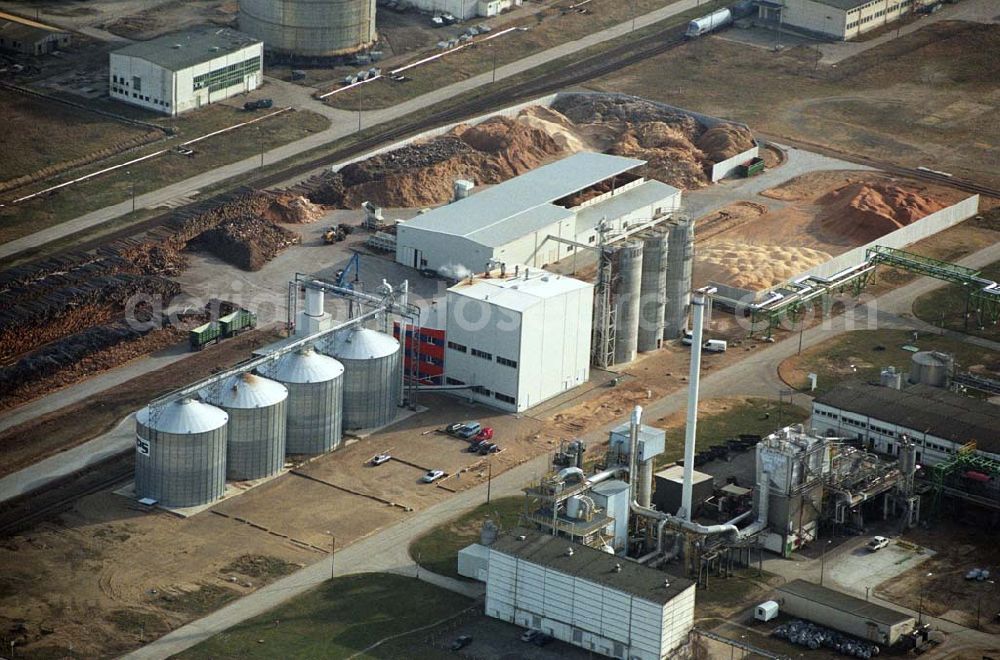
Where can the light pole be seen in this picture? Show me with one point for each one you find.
(493, 50)
(920, 605)
(489, 480)
(333, 551)
(131, 187)
(260, 140)
(822, 561)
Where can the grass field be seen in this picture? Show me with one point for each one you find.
(719, 419)
(343, 617)
(945, 308)
(65, 204)
(861, 355)
(437, 550)
(547, 29)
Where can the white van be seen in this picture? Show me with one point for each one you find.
(714, 346)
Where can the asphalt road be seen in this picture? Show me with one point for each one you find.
(387, 550)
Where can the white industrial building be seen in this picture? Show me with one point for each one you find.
(519, 337)
(939, 422)
(840, 19)
(465, 9)
(185, 70)
(587, 597)
(528, 219)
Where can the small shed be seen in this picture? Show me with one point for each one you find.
(843, 612)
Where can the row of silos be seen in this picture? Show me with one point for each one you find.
(651, 286)
(245, 426)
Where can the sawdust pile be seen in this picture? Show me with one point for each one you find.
(757, 267)
(292, 209)
(862, 212)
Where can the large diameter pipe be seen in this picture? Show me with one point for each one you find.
(691, 428)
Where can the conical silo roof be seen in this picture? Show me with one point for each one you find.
(183, 417)
(246, 391)
(305, 366)
(361, 344)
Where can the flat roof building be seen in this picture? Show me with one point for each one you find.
(513, 222)
(186, 70)
(840, 19)
(28, 37)
(587, 597)
(518, 338)
(938, 421)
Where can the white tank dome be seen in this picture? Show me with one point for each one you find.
(361, 344)
(184, 416)
(246, 391)
(304, 366)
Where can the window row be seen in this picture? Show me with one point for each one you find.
(461, 348)
(226, 77)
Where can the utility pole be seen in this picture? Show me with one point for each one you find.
(333, 552)
(131, 188)
(489, 480)
(260, 140)
(494, 51)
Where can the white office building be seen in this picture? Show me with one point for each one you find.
(588, 598)
(840, 19)
(520, 221)
(186, 70)
(465, 9)
(939, 422)
(518, 338)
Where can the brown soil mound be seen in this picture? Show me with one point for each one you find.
(862, 212)
(724, 141)
(293, 209)
(757, 267)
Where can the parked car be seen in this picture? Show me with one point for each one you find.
(541, 639)
(714, 346)
(470, 430)
(529, 635)
(461, 642)
(432, 476)
(456, 427)
(379, 459)
(448, 19)
(437, 21)
(485, 434)
(475, 445)
(488, 448)
(687, 338)
(259, 104)
(877, 543)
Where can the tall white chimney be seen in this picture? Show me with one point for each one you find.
(698, 300)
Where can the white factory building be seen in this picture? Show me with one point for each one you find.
(520, 220)
(465, 9)
(588, 598)
(186, 70)
(840, 19)
(518, 337)
(939, 422)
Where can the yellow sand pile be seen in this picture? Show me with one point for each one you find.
(757, 267)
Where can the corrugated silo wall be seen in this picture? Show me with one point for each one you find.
(679, 268)
(653, 293)
(310, 28)
(315, 416)
(255, 447)
(371, 391)
(181, 470)
(628, 287)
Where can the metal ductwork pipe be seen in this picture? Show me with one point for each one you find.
(645, 476)
(691, 428)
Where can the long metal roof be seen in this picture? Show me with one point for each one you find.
(521, 292)
(838, 600)
(181, 50)
(921, 408)
(645, 194)
(592, 564)
(499, 214)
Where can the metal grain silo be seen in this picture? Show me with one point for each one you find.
(679, 268)
(181, 453)
(931, 368)
(315, 400)
(653, 292)
(255, 443)
(627, 287)
(372, 377)
(309, 28)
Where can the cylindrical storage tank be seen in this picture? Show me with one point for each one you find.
(255, 441)
(573, 507)
(653, 291)
(931, 368)
(891, 378)
(181, 453)
(309, 28)
(314, 414)
(372, 376)
(627, 288)
(679, 267)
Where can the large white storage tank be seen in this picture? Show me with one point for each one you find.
(931, 368)
(314, 415)
(372, 378)
(181, 453)
(255, 444)
(309, 28)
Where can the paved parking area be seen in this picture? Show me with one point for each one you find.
(854, 568)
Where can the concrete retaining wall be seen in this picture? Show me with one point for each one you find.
(725, 168)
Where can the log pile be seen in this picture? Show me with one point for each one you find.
(247, 242)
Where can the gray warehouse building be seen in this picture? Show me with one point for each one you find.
(843, 612)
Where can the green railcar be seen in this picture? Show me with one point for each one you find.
(203, 335)
(237, 322)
